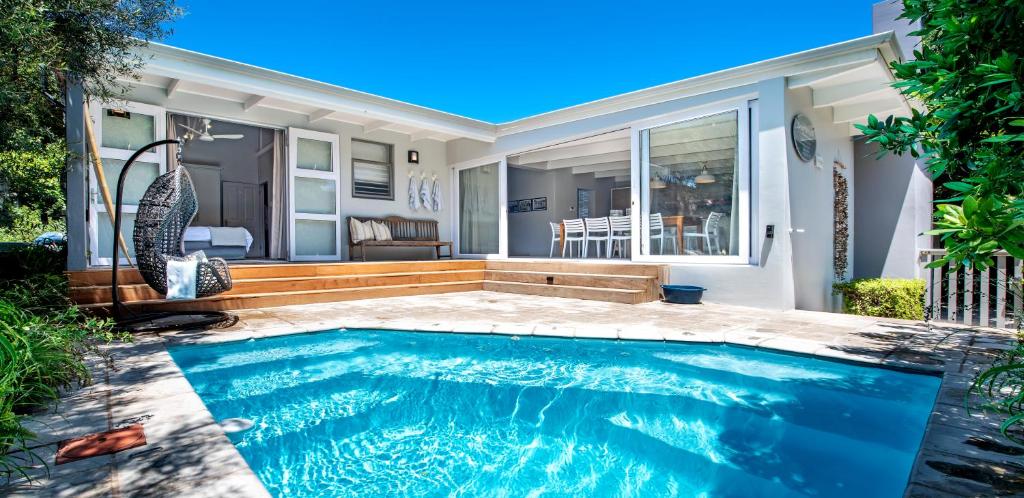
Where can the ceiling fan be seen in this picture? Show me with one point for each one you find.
(204, 135)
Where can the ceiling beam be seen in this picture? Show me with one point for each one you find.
(416, 136)
(594, 168)
(319, 115)
(587, 160)
(859, 112)
(252, 101)
(172, 87)
(617, 174)
(844, 94)
(374, 126)
(826, 75)
(569, 152)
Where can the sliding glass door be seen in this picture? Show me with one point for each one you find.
(480, 216)
(695, 187)
(315, 228)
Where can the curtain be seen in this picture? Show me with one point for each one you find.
(172, 150)
(279, 200)
(734, 213)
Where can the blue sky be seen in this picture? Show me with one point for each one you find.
(501, 61)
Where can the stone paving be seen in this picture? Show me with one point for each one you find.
(188, 454)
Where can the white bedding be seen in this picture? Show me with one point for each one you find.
(204, 234)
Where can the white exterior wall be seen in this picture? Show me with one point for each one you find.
(811, 195)
(433, 160)
(767, 281)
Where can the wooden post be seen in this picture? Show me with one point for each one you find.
(101, 180)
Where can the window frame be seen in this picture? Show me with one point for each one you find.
(745, 109)
(391, 171)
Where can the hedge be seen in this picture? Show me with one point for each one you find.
(884, 297)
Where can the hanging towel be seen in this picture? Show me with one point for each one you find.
(438, 203)
(425, 193)
(181, 278)
(414, 197)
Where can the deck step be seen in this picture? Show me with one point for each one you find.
(274, 299)
(598, 267)
(142, 292)
(282, 284)
(624, 296)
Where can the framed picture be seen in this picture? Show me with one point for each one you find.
(525, 206)
(540, 203)
(513, 206)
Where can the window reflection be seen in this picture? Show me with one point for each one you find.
(693, 188)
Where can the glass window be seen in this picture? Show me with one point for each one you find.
(693, 188)
(315, 238)
(478, 210)
(126, 130)
(315, 196)
(372, 170)
(138, 180)
(313, 154)
(105, 244)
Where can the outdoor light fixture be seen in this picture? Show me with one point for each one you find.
(704, 176)
(414, 157)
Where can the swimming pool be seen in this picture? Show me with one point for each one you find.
(390, 413)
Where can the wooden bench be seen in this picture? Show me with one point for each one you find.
(406, 232)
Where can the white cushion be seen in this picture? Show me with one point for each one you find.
(360, 231)
(381, 231)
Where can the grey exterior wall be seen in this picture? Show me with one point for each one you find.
(77, 181)
(893, 208)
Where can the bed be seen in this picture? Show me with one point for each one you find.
(219, 242)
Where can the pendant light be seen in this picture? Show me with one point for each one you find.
(704, 177)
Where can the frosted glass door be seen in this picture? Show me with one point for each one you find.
(315, 228)
(479, 214)
(120, 131)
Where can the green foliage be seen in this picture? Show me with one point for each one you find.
(43, 343)
(31, 175)
(1001, 389)
(884, 297)
(42, 41)
(22, 224)
(969, 77)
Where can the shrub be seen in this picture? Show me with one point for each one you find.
(43, 343)
(884, 297)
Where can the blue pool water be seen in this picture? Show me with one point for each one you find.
(388, 413)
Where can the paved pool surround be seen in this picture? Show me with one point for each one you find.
(188, 454)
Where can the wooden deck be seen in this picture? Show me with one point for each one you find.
(264, 285)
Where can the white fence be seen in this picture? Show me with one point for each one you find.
(988, 298)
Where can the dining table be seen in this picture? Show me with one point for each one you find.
(676, 221)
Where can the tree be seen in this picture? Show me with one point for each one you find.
(968, 77)
(42, 44)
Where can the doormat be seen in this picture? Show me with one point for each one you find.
(101, 443)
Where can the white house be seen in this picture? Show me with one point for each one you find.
(729, 177)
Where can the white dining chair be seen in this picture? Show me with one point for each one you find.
(556, 237)
(598, 233)
(574, 232)
(709, 236)
(619, 234)
(661, 234)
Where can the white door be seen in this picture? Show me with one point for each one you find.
(480, 214)
(120, 131)
(314, 230)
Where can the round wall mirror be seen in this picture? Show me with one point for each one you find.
(803, 137)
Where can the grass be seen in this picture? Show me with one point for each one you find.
(44, 340)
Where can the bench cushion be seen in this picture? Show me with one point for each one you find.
(405, 243)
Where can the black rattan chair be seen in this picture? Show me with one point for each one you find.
(165, 211)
